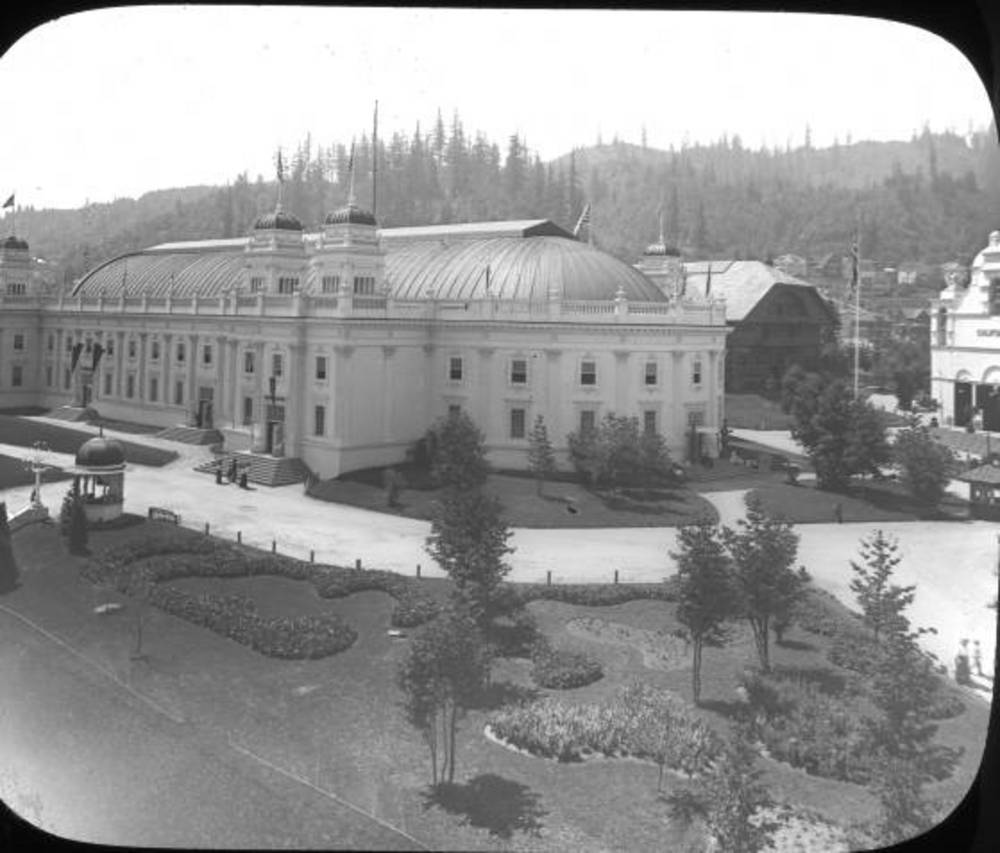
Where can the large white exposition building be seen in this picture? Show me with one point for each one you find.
(341, 347)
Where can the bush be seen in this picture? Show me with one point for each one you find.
(945, 704)
(558, 669)
(807, 728)
(132, 566)
(515, 634)
(854, 652)
(819, 612)
(595, 594)
(619, 727)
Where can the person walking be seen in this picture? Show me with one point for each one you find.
(977, 657)
(838, 512)
(962, 663)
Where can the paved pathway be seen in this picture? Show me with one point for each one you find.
(952, 563)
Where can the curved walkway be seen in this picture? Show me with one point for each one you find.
(951, 563)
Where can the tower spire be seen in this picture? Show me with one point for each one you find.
(281, 178)
(351, 200)
(375, 159)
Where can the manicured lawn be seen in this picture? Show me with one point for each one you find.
(750, 411)
(806, 504)
(25, 432)
(339, 720)
(562, 504)
(13, 472)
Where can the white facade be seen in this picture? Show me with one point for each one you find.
(965, 344)
(197, 333)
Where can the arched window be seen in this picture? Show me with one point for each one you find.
(994, 296)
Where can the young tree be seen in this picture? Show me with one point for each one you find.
(706, 596)
(540, 455)
(881, 602)
(763, 551)
(457, 451)
(925, 464)
(469, 541)
(9, 575)
(443, 673)
(617, 452)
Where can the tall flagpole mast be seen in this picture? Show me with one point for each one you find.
(375, 159)
(856, 278)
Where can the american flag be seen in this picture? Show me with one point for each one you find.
(9, 202)
(583, 220)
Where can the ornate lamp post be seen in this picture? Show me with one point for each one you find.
(36, 465)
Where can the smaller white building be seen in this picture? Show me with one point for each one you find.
(965, 344)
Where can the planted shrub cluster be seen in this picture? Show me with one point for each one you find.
(140, 567)
(593, 595)
(558, 669)
(638, 721)
(799, 723)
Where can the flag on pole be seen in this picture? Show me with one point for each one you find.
(9, 202)
(375, 159)
(708, 282)
(583, 220)
(855, 267)
(281, 168)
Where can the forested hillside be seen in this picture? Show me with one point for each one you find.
(932, 198)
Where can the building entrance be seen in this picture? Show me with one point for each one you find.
(274, 434)
(963, 403)
(988, 401)
(203, 419)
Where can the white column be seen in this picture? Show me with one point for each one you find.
(621, 383)
(484, 389)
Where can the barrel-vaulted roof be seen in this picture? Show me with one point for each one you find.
(499, 260)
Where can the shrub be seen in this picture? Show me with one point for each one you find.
(945, 704)
(854, 652)
(618, 727)
(595, 595)
(515, 634)
(558, 669)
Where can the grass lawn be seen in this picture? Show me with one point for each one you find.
(867, 501)
(24, 433)
(751, 411)
(338, 719)
(13, 472)
(562, 504)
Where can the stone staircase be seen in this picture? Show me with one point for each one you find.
(190, 435)
(261, 469)
(72, 413)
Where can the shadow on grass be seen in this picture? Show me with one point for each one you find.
(491, 802)
(826, 680)
(731, 709)
(500, 693)
(795, 645)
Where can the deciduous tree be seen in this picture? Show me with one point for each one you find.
(457, 451)
(706, 593)
(925, 464)
(442, 675)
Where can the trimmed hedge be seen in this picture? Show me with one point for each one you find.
(593, 595)
(145, 564)
(626, 725)
(558, 669)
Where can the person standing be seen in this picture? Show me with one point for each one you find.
(962, 663)
(977, 657)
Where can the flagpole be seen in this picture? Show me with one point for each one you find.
(856, 260)
(375, 159)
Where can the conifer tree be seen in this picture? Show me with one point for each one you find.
(541, 457)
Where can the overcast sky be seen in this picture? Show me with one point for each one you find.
(118, 102)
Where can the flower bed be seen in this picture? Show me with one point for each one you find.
(134, 565)
(558, 669)
(626, 725)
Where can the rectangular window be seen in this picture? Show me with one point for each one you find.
(588, 420)
(110, 348)
(16, 288)
(321, 367)
(181, 354)
(649, 421)
(256, 283)
(248, 364)
(455, 369)
(130, 386)
(696, 372)
(107, 384)
(69, 344)
(649, 375)
(67, 378)
(518, 371)
(154, 389)
(331, 283)
(276, 364)
(154, 350)
(287, 285)
(517, 423)
(454, 410)
(588, 372)
(18, 341)
(179, 393)
(16, 375)
(51, 343)
(48, 375)
(364, 285)
(319, 420)
(206, 355)
(247, 410)
(131, 348)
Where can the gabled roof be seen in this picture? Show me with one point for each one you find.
(476, 230)
(989, 474)
(743, 284)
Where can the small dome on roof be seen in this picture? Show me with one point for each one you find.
(661, 248)
(350, 214)
(277, 220)
(13, 242)
(100, 452)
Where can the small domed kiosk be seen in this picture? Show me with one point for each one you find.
(99, 478)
